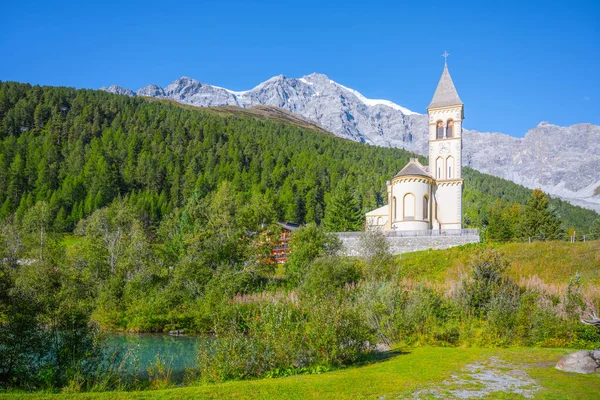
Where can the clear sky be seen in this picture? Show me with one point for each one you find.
(515, 63)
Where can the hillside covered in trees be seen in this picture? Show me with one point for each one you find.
(78, 150)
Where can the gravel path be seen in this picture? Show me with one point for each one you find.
(481, 379)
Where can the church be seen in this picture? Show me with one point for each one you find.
(423, 197)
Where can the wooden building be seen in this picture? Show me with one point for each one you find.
(281, 251)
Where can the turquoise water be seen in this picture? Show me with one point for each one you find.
(141, 351)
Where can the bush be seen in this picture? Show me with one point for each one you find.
(375, 251)
(380, 303)
(306, 245)
(487, 280)
(285, 336)
(328, 275)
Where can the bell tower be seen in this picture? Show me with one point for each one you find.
(446, 112)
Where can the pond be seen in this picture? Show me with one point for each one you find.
(141, 351)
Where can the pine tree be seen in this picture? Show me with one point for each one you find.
(17, 179)
(6, 208)
(500, 227)
(343, 213)
(60, 222)
(537, 219)
(595, 229)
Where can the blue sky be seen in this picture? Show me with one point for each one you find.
(515, 63)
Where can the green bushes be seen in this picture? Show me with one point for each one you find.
(46, 338)
(488, 281)
(487, 308)
(340, 311)
(272, 337)
(306, 245)
(327, 275)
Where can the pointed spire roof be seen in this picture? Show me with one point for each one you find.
(445, 94)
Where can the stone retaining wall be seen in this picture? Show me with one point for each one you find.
(400, 245)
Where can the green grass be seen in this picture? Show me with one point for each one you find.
(400, 375)
(553, 262)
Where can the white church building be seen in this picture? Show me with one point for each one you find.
(429, 197)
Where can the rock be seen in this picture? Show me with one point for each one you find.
(580, 362)
(382, 347)
(596, 355)
(151, 91)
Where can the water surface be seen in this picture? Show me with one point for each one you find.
(141, 351)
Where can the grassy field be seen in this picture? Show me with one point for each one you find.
(424, 372)
(552, 262)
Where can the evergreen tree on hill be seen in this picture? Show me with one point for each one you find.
(537, 220)
(595, 229)
(343, 213)
(500, 227)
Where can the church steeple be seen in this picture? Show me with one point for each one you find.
(446, 113)
(445, 95)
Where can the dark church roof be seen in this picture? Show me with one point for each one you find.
(414, 167)
(445, 95)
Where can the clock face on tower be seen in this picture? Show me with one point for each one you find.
(445, 148)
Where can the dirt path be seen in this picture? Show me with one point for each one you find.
(481, 379)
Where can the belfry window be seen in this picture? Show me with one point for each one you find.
(440, 130)
(439, 164)
(450, 128)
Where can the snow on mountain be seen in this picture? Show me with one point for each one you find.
(118, 90)
(374, 102)
(151, 91)
(563, 161)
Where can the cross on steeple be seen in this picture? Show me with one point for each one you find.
(445, 55)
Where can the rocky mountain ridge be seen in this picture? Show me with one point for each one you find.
(562, 161)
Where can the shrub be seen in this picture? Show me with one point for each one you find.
(306, 245)
(486, 281)
(328, 275)
(283, 335)
(380, 303)
(374, 249)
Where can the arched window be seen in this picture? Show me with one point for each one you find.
(449, 163)
(394, 209)
(439, 130)
(425, 208)
(439, 167)
(379, 221)
(450, 128)
(409, 206)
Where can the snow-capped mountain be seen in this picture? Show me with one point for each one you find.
(563, 161)
(118, 90)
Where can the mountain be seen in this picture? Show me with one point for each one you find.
(118, 90)
(562, 161)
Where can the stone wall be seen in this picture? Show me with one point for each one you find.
(400, 245)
